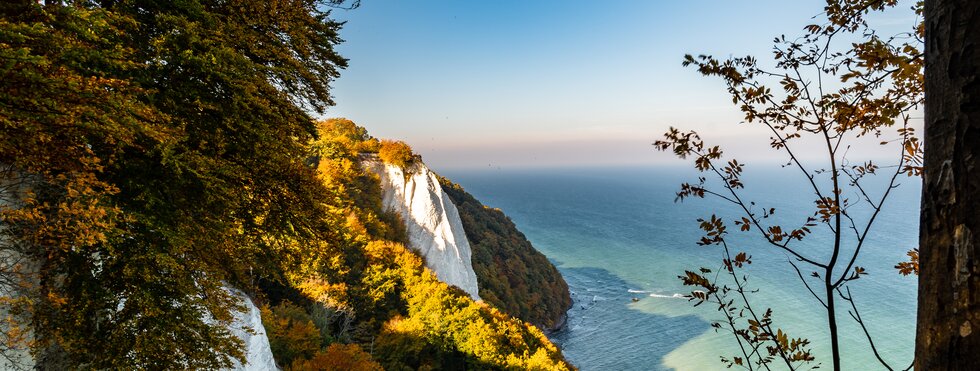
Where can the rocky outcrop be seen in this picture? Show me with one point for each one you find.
(258, 353)
(431, 219)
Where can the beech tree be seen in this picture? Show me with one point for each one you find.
(948, 328)
(833, 93)
(148, 148)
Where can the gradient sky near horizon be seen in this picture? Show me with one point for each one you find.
(552, 82)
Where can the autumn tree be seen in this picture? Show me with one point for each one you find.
(948, 334)
(292, 334)
(396, 152)
(149, 151)
(338, 357)
(837, 84)
(68, 115)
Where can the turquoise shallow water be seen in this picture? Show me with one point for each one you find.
(616, 235)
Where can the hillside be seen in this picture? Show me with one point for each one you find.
(169, 201)
(371, 290)
(431, 220)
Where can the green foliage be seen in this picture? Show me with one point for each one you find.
(513, 276)
(397, 153)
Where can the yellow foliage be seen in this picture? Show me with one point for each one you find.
(396, 152)
(412, 320)
(443, 317)
(343, 132)
(332, 295)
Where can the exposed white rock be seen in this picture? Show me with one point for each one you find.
(258, 353)
(431, 219)
(11, 192)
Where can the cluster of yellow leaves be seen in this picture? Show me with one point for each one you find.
(441, 314)
(910, 267)
(396, 152)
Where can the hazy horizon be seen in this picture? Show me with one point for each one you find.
(553, 83)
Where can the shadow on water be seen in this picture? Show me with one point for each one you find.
(604, 333)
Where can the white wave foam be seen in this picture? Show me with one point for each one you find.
(674, 296)
(637, 291)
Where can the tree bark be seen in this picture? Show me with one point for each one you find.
(948, 328)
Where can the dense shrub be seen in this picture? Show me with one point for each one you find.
(338, 357)
(444, 328)
(396, 152)
(292, 335)
(343, 135)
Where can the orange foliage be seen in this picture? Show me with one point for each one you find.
(338, 357)
(292, 335)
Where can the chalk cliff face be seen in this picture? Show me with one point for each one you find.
(258, 353)
(432, 221)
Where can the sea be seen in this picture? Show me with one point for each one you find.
(621, 239)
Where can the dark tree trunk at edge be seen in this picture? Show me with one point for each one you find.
(948, 328)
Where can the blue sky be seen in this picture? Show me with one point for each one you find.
(550, 83)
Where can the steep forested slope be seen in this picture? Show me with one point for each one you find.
(154, 154)
(513, 276)
(365, 287)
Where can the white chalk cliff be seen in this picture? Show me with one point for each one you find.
(258, 353)
(431, 219)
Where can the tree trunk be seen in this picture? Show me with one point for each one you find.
(948, 329)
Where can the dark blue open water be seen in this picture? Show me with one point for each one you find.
(616, 234)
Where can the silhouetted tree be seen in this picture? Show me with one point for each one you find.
(948, 328)
(833, 97)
